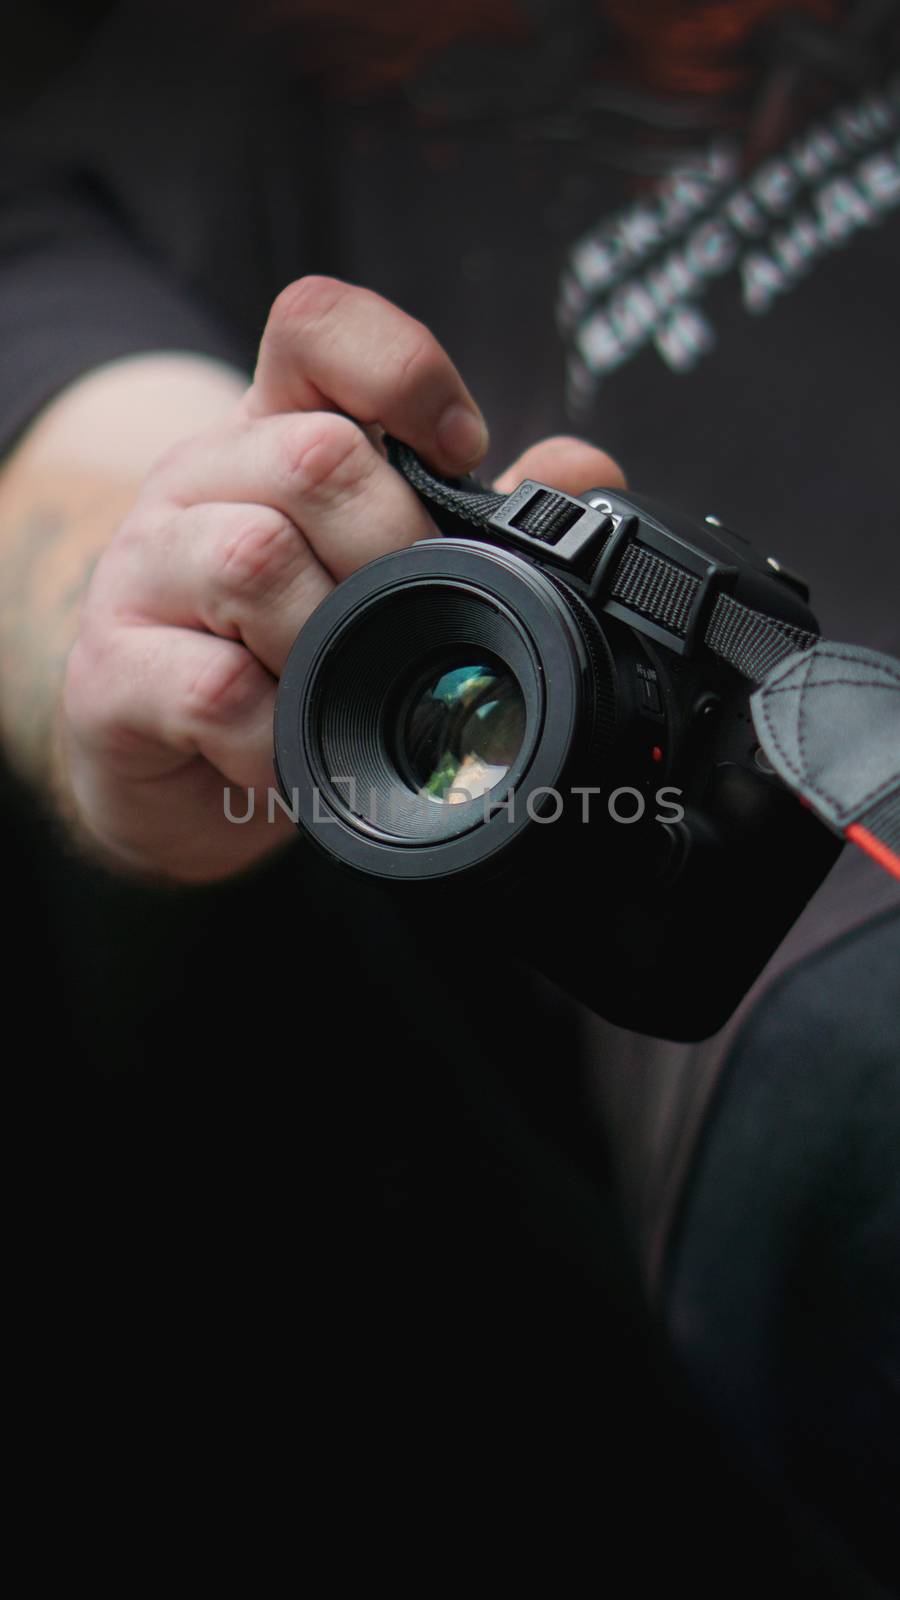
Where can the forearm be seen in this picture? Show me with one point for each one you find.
(51, 532)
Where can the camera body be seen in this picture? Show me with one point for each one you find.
(548, 760)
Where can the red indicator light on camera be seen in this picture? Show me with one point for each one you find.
(656, 752)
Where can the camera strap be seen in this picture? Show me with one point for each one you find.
(827, 716)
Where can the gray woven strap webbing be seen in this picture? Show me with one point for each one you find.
(644, 580)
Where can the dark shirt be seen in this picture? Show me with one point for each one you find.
(276, 1048)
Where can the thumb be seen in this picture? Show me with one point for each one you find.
(564, 463)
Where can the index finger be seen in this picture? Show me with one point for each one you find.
(332, 346)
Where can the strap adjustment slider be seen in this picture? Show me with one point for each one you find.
(703, 579)
(557, 527)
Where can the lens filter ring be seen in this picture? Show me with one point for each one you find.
(444, 665)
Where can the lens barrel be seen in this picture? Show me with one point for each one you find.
(433, 703)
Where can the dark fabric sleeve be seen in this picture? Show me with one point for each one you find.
(783, 1289)
(76, 292)
(151, 198)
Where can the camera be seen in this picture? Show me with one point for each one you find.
(522, 730)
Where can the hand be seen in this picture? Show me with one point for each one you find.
(236, 536)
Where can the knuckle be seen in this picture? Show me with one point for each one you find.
(168, 479)
(289, 440)
(88, 664)
(224, 689)
(307, 299)
(588, 458)
(130, 535)
(567, 441)
(141, 528)
(92, 710)
(414, 360)
(326, 453)
(168, 467)
(258, 556)
(141, 541)
(78, 685)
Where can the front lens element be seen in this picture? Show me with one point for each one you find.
(430, 704)
(462, 730)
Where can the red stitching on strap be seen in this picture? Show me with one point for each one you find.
(873, 847)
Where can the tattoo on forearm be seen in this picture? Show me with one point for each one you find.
(46, 561)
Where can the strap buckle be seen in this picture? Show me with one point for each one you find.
(554, 526)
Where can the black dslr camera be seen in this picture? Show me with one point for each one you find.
(534, 730)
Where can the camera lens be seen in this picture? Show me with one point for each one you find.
(426, 701)
(431, 705)
(462, 730)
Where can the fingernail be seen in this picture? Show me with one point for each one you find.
(462, 435)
